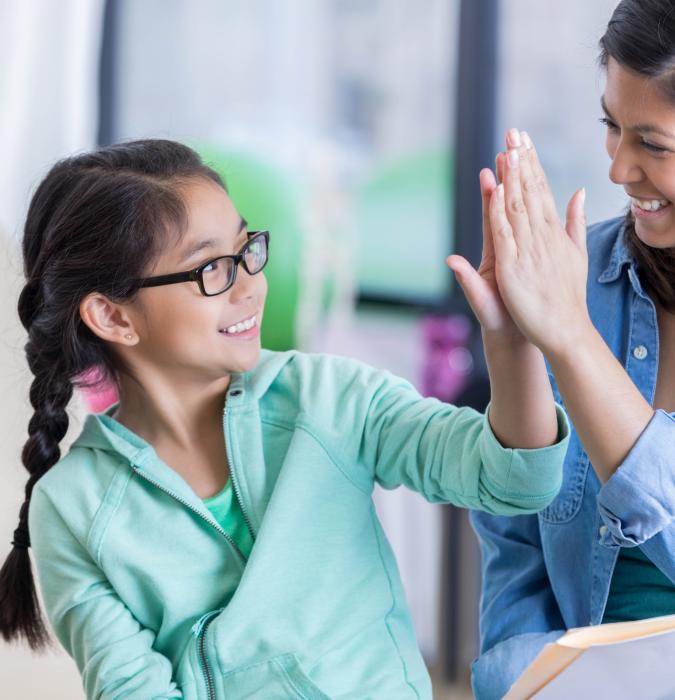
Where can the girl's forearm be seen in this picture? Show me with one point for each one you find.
(522, 409)
(606, 408)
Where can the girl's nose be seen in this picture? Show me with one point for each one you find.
(245, 286)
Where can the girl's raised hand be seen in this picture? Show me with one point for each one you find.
(480, 286)
(540, 265)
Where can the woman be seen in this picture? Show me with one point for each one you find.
(604, 550)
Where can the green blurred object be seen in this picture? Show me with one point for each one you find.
(403, 219)
(268, 198)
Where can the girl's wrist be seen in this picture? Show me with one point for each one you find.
(506, 342)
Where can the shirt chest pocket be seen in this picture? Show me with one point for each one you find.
(575, 470)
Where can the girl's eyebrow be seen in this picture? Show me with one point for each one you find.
(642, 128)
(209, 243)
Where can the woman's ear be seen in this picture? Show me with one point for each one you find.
(108, 320)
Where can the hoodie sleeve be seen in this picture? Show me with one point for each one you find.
(113, 652)
(381, 424)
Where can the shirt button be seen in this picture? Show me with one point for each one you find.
(236, 392)
(602, 531)
(640, 352)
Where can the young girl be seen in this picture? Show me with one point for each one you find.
(604, 550)
(213, 535)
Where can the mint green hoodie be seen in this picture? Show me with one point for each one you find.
(152, 600)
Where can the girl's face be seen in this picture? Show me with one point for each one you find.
(184, 331)
(641, 143)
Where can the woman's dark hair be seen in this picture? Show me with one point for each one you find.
(94, 224)
(640, 36)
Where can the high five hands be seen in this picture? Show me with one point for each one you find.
(531, 281)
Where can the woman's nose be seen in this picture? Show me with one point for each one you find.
(625, 168)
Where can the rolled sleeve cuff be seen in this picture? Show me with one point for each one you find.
(638, 501)
(533, 477)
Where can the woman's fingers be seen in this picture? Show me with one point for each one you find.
(529, 186)
(539, 176)
(515, 205)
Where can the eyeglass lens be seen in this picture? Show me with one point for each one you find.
(218, 275)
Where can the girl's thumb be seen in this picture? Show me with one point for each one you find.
(475, 288)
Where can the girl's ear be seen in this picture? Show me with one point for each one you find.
(108, 320)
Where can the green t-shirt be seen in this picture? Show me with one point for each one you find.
(225, 508)
(639, 589)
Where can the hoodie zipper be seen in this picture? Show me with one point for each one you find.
(194, 510)
(235, 487)
(203, 625)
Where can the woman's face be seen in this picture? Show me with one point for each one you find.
(641, 143)
(180, 330)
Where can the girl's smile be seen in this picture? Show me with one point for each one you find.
(244, 329)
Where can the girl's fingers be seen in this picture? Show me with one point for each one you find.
(487, 187)
(505, 245)
(499, 166)
(548, 200)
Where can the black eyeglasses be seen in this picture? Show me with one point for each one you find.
(218, 275)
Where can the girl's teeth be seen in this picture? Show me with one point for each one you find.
(241, 326)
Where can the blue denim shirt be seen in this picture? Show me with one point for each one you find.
(545, 573)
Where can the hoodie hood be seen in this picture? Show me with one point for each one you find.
(101, 431)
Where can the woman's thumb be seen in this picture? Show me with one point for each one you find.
(576, 218)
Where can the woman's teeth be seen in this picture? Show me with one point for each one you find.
(650, 204)
(241, 326)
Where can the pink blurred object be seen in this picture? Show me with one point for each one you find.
(102, 394)
(448, 363)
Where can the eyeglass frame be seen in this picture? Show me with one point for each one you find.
(195, 275)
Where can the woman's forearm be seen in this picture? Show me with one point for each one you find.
(522, 410)
(606, 408)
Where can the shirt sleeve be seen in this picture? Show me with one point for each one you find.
(113, 652)
(451, 454)
(638, 501)
(518, 611)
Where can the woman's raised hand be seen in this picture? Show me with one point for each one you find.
(540, 265)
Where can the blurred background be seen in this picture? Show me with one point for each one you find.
(354, 130)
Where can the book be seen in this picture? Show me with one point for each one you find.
(618, 660)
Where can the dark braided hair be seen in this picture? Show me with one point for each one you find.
(94, 224)
(640, 36)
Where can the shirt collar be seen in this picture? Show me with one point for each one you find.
(619, 257)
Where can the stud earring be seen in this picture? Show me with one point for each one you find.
(128, 336)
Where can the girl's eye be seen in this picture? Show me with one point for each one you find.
(211, 267)
(608, 123)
